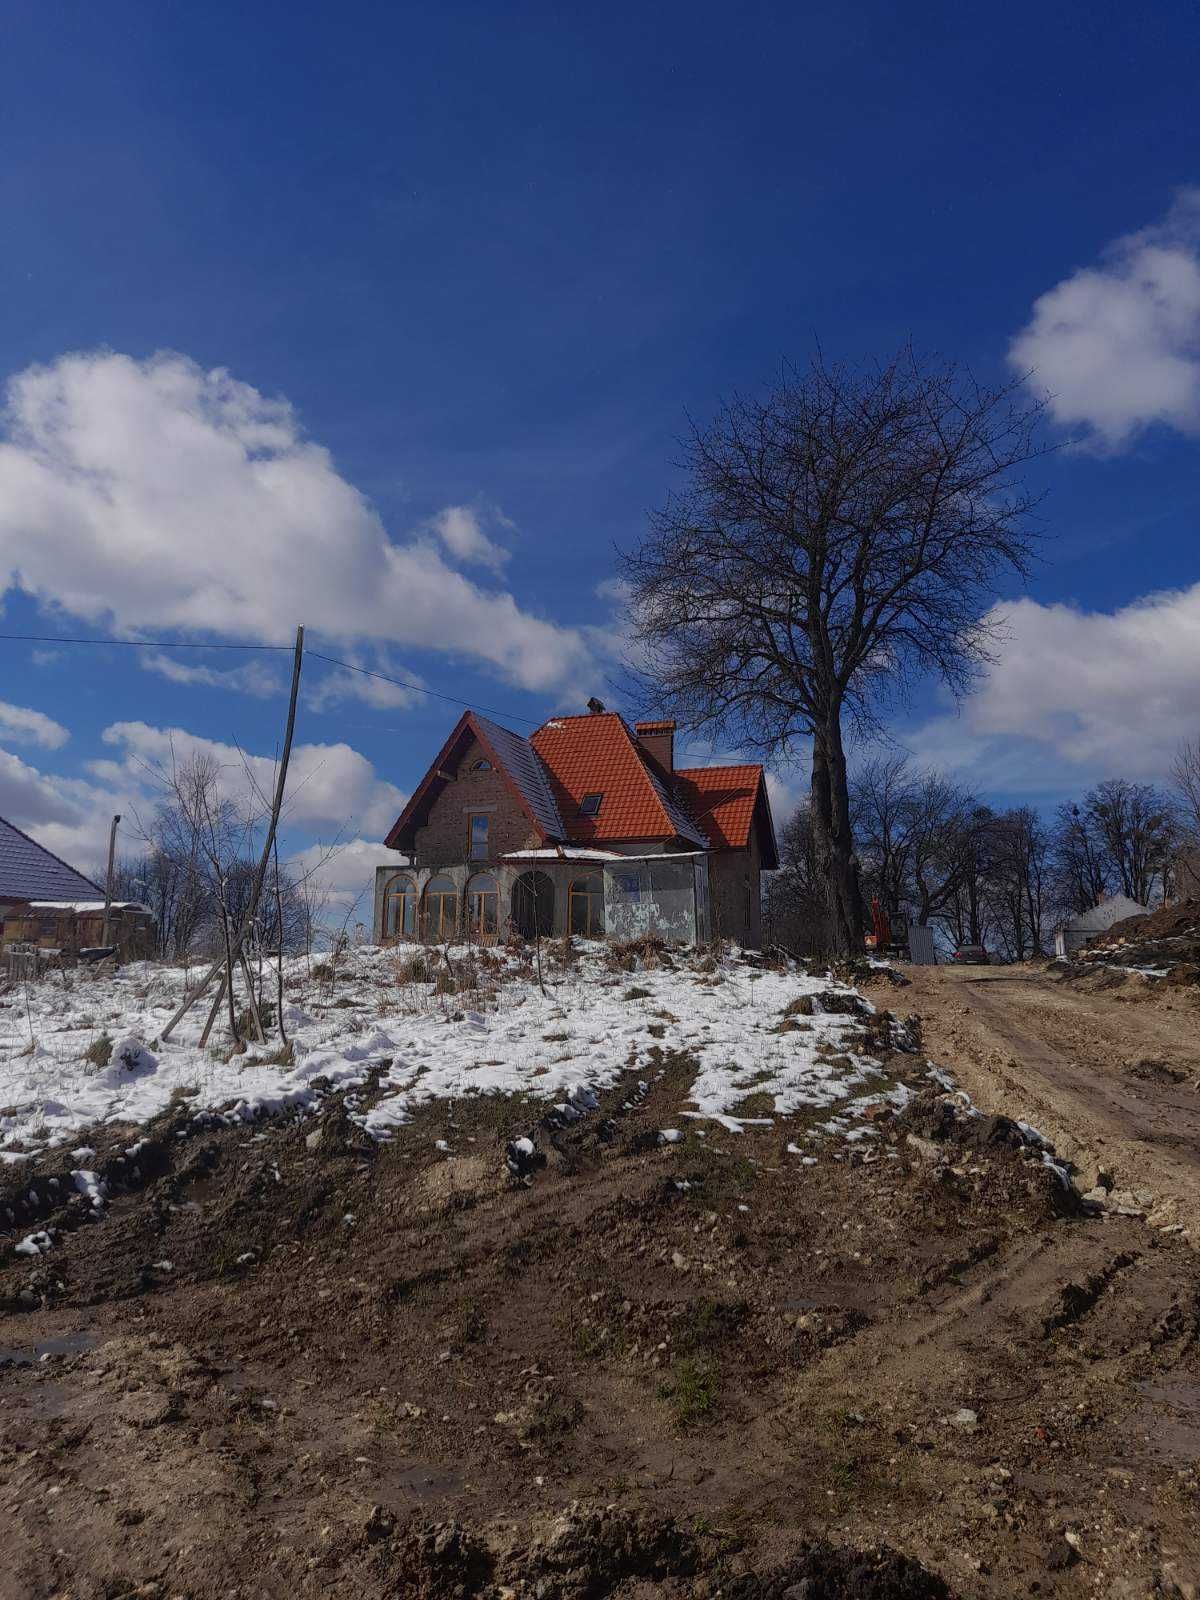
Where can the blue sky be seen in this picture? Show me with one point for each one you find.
(462, 271)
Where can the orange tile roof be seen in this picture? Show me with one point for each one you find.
(569, 757)
(596, 753)
(722, 800)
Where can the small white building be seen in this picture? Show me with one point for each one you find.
(1072, 935)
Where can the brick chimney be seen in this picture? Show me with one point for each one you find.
(657, 739)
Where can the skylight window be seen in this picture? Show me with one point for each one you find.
(589, 806)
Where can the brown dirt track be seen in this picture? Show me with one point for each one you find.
(1106, 1064)
(760, 1374)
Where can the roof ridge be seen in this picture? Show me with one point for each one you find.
(729, 766)
(576, 716)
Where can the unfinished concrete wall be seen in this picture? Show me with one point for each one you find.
(651, 897)
(442, 842)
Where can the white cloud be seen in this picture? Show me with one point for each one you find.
(1116, 347)
(331, 789)
(153, 494)
(345, 878)
(785, 791)
(70, 816)
(28, 797)
(251, 677)
(328, 784)
(1076, 694)
(461, 531)
(22, 725)
(340, 685)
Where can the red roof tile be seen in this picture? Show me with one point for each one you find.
(722, 800)
(596, 753)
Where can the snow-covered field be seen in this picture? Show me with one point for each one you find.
(592, 1025)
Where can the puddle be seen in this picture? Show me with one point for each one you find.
(69, 1344)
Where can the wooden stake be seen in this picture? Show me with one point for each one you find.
(254, 1011)
(112, 845)
(216, 1006)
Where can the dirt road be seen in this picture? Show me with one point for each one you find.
(1111, 1076)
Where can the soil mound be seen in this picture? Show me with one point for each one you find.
(827, 1572)
(592, 1554)
(1169, 922)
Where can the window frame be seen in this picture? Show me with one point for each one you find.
(591, 811)
(478, 927)
(441, 895)
(486, 818)
(590, 889)
(409, 892)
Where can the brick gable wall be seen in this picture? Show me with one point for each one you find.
(737, 895)
(442, 842)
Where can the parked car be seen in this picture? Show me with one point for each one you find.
(971, 955)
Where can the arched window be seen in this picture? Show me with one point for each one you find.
(399, 909)
(441, 909)
(585, 901)
(481, 765)
(483, 906)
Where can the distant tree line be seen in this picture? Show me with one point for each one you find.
(933, 853)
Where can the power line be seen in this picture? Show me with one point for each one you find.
(401, 683)
(136, 644)
(181, 644)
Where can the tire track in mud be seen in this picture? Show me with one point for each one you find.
(1022, 1044)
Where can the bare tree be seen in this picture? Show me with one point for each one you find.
(884, 813)
(796, 913)
(1137, 824)
(1080, 863)
(943, 849)
(1017, 881)
(1185, 774)
(832, 541)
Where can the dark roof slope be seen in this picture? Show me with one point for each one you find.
(521, 762)
(515, 760)
(28, 871)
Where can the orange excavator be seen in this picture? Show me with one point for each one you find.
(881, 936)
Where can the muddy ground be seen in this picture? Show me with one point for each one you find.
(1105, 1062)
(287, 1361)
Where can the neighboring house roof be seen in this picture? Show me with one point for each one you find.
(596, 753)
(28, 871)
(1096, 918)
(728, 802)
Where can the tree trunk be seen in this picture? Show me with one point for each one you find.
(833, 840)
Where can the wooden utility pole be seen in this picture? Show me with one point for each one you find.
(112, 845)
(224, 963)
